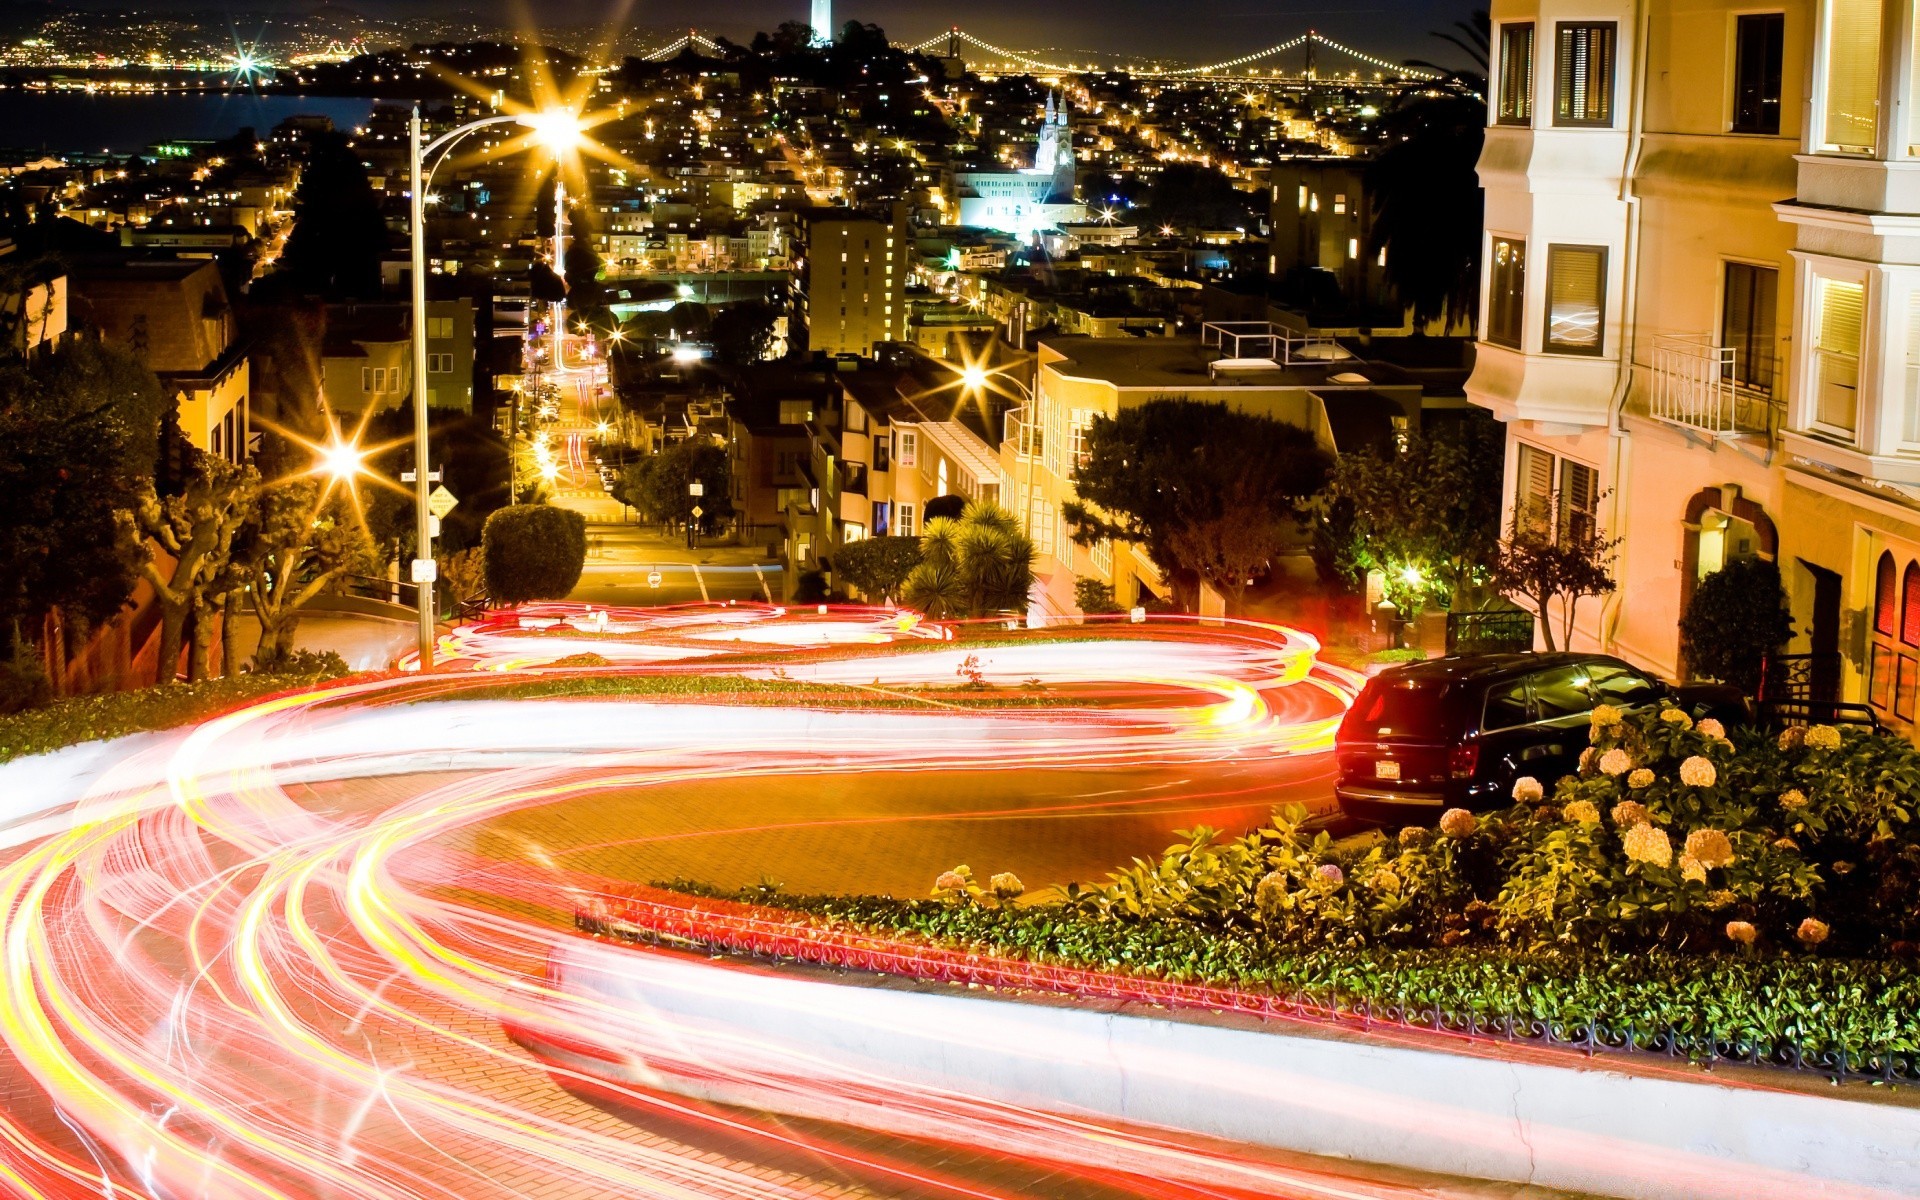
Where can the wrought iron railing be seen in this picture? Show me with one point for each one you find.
(1710, 388)
(1492, 631)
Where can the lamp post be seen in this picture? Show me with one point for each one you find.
(559, 130)
(977, 381)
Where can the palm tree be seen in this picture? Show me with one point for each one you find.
(975, 564)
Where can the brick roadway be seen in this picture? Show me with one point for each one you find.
(883, 832)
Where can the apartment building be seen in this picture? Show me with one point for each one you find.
(1322, 220)
(851, 290)
(1253, 367)
(367, 359)
(1702, 312)
(175, 316)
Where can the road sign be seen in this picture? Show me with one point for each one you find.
(440, 501)
(409, 476)
(653, 578)
(698, 512)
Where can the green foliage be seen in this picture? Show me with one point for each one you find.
(1428, 517)
(1738, 616)
(877, 566)
(1824, 1005)
(974, 566)
(533, 552)
(304, 664)
(1548, 557)
(295, 545)
(1094, 596)
(1210, 492)
(116, 714)
(658, 484)
(338, 234)
(742, 333)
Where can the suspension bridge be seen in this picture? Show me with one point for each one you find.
(1319, 56)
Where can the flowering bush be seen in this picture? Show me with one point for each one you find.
(1673, 835)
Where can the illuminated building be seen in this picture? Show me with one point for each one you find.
(1024, 202)
(852, 284)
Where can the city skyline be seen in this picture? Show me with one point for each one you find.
(1206, 29)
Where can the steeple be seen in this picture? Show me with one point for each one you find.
(1050, 108)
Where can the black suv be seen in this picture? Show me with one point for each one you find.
(1456, 732)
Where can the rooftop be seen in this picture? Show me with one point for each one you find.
(1182, 363)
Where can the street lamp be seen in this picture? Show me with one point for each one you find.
(557, 129)
(976, 381)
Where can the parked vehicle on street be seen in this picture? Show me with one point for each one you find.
(1456, 732)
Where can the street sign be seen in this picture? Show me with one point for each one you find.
(440, 501)
(653, 578)
(409, 476)
(696, 488)
(698, 512)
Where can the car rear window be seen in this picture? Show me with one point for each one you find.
(1402, 708)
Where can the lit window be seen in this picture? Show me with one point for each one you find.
(1516, 75)
(1842, 306)
(1583, 82)
(1851, 113)
(1506, 292)
(1576, 299)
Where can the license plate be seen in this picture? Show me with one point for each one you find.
(1386, 770)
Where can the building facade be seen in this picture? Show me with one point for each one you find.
(852, 283)
(1701, 316)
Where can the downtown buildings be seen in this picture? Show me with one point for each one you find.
(1701, 313)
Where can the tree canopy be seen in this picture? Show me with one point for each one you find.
(877, 565)
(1426, 517)
(1209, 492)
(338, 234)
(658, 484)
(1546, 559)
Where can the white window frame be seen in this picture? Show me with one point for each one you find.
(1807, 351)
(906, 447)
(904, 520)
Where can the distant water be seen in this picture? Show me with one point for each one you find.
(80, 122)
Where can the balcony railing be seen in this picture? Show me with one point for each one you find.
(1241, 340)
(1710, 388)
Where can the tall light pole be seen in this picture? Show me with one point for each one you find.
(560, 131)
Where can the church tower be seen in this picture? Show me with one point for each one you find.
(1054, 153)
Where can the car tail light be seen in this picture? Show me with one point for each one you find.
(1464, 760)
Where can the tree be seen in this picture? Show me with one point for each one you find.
(743, 333)
(658, 485)
(1426, 189)
(979, 564)
(1209, 492)
(1545, 559)
(1426, 517)
(1738, 615)
(949, 506)
(294, 547)
(533, 552)
(338, 234)
(193, 521)
(878, 565)
(77, 432)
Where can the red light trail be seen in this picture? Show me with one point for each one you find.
(214, 989)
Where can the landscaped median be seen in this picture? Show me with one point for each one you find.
(1687, 898)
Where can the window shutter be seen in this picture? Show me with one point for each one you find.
(1841, 309)
(1576, 291)
(1851, 120)
(1584, 79)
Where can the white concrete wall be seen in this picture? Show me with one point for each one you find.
(1484, 1111)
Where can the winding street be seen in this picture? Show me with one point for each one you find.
(273, 956)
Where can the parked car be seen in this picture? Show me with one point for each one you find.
(1456, 732)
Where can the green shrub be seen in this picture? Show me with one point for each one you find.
(1821, 1005)
(1738, 615)
(877, 566)
(115, 714)
(533, 552)
(304, 664)
(1095, 597)
(1670, 835)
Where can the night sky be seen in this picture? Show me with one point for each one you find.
(1201, 30)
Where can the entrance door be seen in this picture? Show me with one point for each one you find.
(1823, 635)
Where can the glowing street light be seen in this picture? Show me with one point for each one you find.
(340, 461)
(561, 132)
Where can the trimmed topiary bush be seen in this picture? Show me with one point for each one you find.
(533, 552)
(1738, 616)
